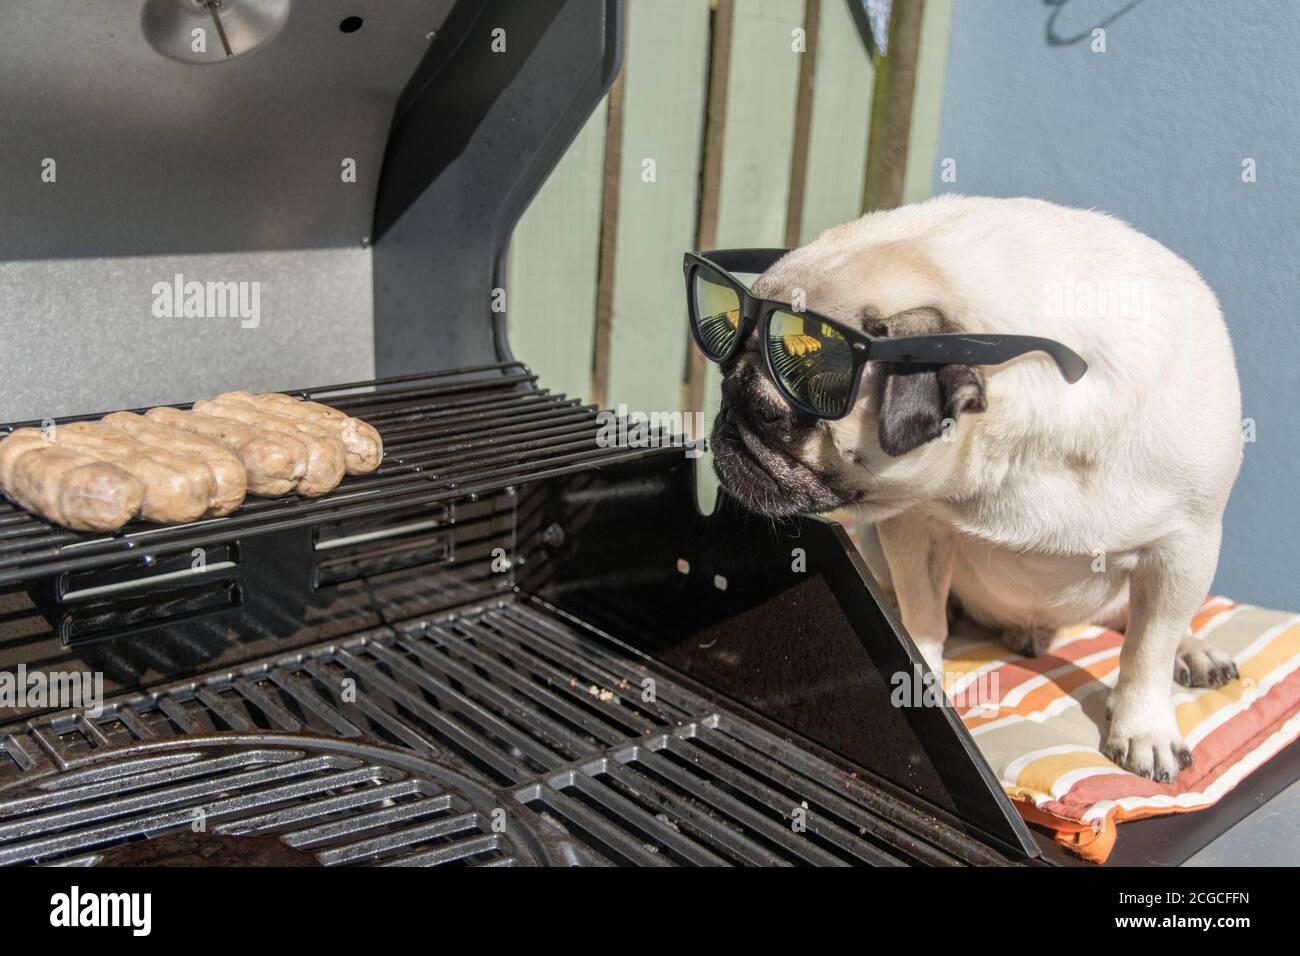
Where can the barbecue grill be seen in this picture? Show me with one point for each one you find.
(512, 644)
(460, 659)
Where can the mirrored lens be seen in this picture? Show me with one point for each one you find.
(717, 307)
(813, 362)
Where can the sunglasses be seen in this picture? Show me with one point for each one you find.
(816, 362)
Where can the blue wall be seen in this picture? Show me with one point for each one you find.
(1154, 130)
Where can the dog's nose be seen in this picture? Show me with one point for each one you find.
(761, 408)
(747, 401)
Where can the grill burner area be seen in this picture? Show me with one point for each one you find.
(507, 734)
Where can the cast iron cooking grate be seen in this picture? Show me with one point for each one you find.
(509, 734)
(333, 803)
(447, 435)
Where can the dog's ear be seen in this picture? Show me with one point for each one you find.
(918, 402)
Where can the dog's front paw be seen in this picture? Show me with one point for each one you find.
(932, 651)
(1201, 666)
(1159, 757)
(1143, 739)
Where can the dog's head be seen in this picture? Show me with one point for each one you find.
(897, 445)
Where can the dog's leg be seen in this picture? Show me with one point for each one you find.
(920, 555)
(1165, 589)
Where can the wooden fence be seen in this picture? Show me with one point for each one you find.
(733, 123)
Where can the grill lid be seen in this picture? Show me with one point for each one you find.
(364, 159)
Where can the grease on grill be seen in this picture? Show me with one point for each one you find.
(206, 849)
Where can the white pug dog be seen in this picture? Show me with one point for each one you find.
(1033, 503)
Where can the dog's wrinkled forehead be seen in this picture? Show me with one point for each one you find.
(810, 281)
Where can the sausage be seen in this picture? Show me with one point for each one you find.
(74, 490)
(230, 481)
(172, 466)
(325, 455)
(273, 463)
(361, 442)
(175, 491)
(92, 437)
(65, 487)
(24, 439)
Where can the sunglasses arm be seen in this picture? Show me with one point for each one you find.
(755, 261)
(963, 349)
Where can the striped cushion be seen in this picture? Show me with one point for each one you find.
(1038, 721)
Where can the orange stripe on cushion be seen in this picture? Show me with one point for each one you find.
(1043, 697)
(1236, 733)
(1255, 670)
(1121, 786)
(1211, 609)
(1040, 775)
(1019, 670)
(1269, 739)
(1093, 844)
(1212, 758)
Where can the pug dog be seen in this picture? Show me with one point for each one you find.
(1030, 503)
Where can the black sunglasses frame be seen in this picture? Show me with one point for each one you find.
(952, 348)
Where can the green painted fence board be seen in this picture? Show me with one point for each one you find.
(555, 253)
(553, 260)
(841, 119)
(762, 91)
(666, 77)
(923, 143)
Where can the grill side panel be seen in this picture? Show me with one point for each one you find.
(783, 618)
